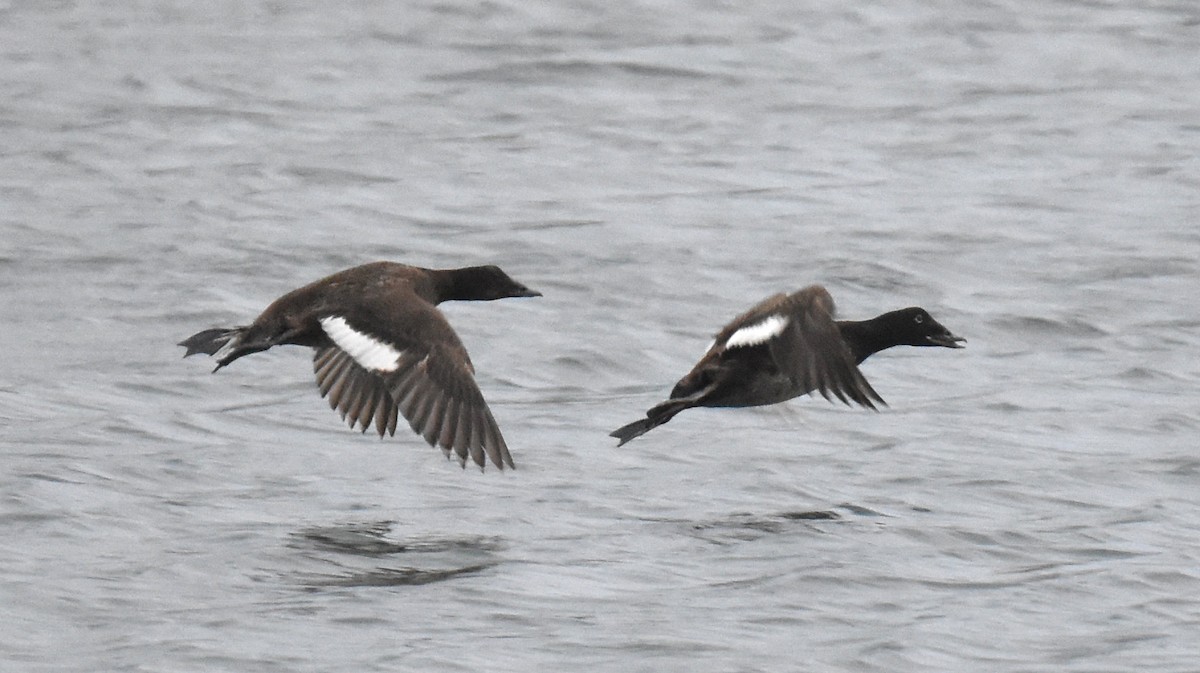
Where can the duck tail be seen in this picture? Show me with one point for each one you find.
(210, 340)
(223, 342)
(658, 414)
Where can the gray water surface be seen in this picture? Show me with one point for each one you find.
(1025, 170)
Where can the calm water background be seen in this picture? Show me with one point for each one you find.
(1025, 169)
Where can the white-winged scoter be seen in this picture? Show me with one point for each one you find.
(383, 347)
(789, 345)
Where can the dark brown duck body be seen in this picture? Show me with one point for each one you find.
(790, 345)
(383, 349)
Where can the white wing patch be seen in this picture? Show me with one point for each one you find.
(760, 332)
(367, 351)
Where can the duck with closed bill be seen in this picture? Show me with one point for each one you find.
(789, 345)
(383, 347)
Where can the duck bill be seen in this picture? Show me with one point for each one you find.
(948, 340)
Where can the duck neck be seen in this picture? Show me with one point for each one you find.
(454, 284)
(865, 337)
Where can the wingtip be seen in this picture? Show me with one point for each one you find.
(505, 459)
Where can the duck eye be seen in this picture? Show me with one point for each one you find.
(919, 319)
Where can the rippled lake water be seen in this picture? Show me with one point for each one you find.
(1027, 171)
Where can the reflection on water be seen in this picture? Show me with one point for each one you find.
(413, 560)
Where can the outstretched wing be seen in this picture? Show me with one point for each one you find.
(412, 365)
(792, 339)
(810, 349)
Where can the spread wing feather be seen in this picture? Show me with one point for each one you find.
(432, 385)
(811, 350)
